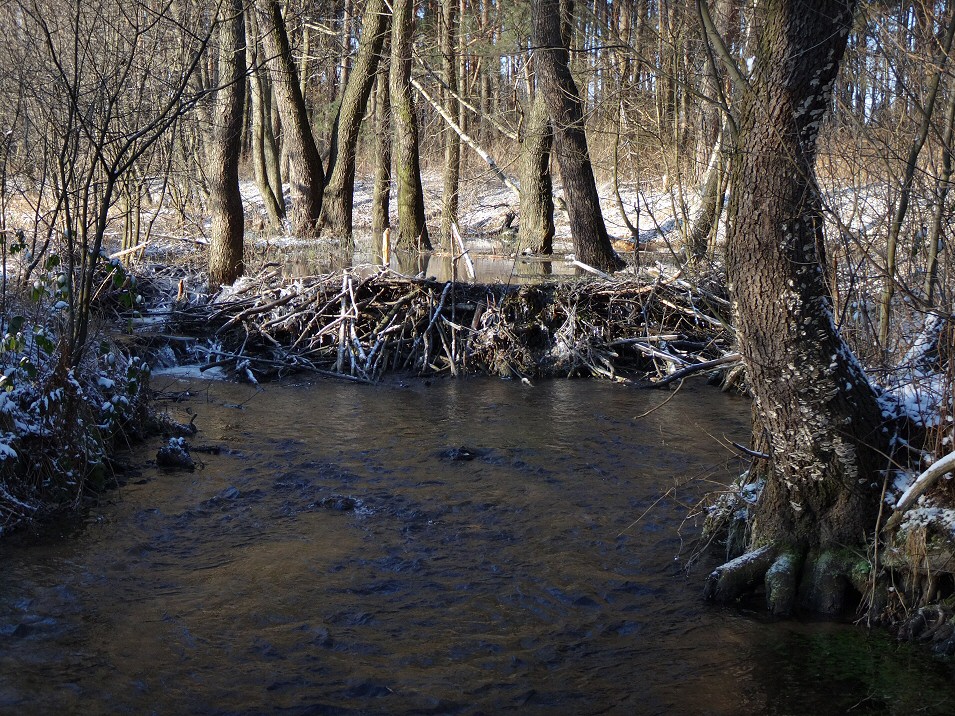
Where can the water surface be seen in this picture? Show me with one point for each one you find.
(335, 558)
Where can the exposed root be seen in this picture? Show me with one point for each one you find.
(782, 582)
(822, 583)
(739, 576)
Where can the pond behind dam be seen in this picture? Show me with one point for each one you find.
(343, 554)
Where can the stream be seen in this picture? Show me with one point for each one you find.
(470, 546)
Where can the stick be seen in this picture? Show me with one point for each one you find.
(132, 250)
(498, 172)
(591, 269)
(468, 263)
(697, 367)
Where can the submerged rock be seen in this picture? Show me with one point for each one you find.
(339, 503)
(460, 454)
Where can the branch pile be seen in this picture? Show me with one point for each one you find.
(360, 325)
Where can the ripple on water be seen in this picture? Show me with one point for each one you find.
(336, 559)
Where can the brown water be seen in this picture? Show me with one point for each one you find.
(518, 581)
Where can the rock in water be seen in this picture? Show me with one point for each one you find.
(174, 455)
(460, 454)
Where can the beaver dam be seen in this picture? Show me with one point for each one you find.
(357, 325)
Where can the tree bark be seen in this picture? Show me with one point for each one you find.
(591, 242)
(452, 145)
(412, 231)
(306, 175)
(814, 404)
(381, 195)
(225, 201)
(536, 220)
(338, 199)
(263, 146)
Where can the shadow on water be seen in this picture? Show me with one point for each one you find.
(343, 554)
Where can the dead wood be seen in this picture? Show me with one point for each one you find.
(364, 322)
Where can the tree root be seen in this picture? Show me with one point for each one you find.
(738, 576)
(820, 582)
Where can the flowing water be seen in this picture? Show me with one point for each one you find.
(340, 555)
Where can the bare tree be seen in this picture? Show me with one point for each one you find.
(381, 194)
(106, 84)
(816, 413)
(340, 187)
(536, 220)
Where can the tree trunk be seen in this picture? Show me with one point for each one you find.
(711, 203)
(264, 150)
(412, 231)
(338, 199)
(381, 195)
(306, 175)
(536, 220)
(225, 201)
(452, 146)
(591, 242)
(814, 404)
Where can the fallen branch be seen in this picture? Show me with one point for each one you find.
(697, 367)
(449, 120)
(918, 488)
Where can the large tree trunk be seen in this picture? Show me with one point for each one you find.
(412, 231)
(815, 409)
(591, 242)
(536, 220)
(306, 176)
(340, 188)
(225, 201)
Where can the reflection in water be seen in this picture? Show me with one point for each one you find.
(490, 267)
(515, 581)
